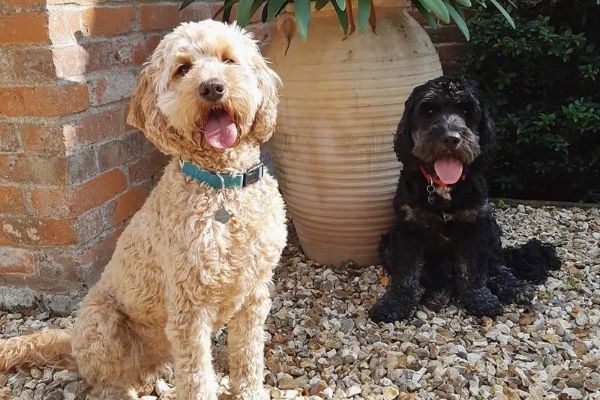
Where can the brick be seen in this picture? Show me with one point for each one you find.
(43, 139)
(112, 87)
(96, 127)
(198, 11)
(64, 26)
(118, 152)
(6, 163)
(95, 257)
(16, 261)
(150, 166)
(89, 226)
(451, 51)
(24, 3)
(6, 65)
(70, 61)
(40, 232)
(51, 202)
(97, 21)
(142, 51)
(120, 52)
(158, 16)
(129, 203)
(32, 168)
(8, 138)
(43, 101)
(11, 200)
(33, 65)
(82, 165)
(98, 191)
(24, 28)
(445, 34)
(59, 266)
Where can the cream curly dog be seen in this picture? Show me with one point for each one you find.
(197, 255)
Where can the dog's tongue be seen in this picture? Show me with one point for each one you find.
(448, 170)
(219, 131)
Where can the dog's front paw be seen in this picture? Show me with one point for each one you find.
(395, 305)
(481, 302)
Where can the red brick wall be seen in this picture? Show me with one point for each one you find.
(71, 171)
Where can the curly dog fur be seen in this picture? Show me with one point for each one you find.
(446, 242)
(177, 274)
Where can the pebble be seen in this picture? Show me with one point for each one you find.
(322, 345)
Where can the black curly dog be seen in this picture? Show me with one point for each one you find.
(446, 242)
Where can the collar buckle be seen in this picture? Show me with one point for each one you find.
(253, 174)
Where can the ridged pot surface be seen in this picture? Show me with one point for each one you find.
(340, 106)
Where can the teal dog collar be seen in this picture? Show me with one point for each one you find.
(219, 181)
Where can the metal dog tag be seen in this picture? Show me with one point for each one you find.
(222, 215)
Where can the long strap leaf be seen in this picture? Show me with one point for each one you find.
(303, 14)
(225, 9)
(464, 3)
(274, 6)
(342, 17)
(244, 12)
(341, 4)
(504, 12)
(460, 22)
(425, 14)
(364, 11)
(438, 8)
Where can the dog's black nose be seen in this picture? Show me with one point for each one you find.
(212, 89)
(451, 139)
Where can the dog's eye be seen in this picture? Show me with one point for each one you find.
(183, 69)
(428, 109)
(228, 60)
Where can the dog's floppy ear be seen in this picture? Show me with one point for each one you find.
(140, 101)
(268, 84)
(144, 113)
(403, 141)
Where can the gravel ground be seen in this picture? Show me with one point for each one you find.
(321, 343)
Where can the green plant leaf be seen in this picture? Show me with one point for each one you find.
(364, 11)
(303, 14)
(342, 17)
(503, 12)
(185, 3)
(341, 4)
(225, 9)
(274, 6)
(464, 3)
(244, 11)
(320, 4)
(438, 8)
(426, 14)
(460, 22)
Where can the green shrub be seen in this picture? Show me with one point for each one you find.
(542, 81)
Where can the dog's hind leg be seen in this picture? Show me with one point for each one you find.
(245, 342)
(105, 347)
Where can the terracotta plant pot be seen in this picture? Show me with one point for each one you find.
(340, 105)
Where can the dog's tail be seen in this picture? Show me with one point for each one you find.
(532, 261)
(50, 347)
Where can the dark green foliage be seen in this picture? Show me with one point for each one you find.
(542, 80)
